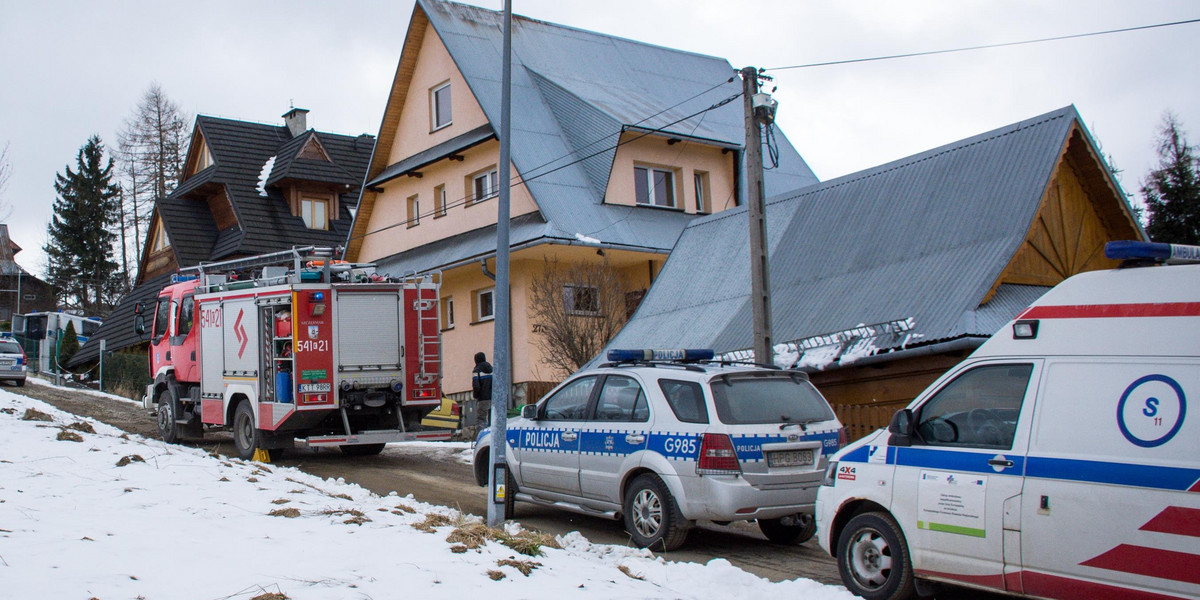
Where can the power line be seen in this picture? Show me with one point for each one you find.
(983, 47)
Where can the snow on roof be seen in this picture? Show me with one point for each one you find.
(264, 175)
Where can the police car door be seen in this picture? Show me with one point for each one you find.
(957, 487)
(613, 438)
(549, 446)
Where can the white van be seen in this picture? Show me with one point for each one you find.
(1057, 461)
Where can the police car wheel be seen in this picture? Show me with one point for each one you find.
(873, 558)
(167, 427)
(652, 518)
(796, 530)
(245, 438)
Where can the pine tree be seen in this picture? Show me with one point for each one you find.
(79, 252)
(151, 150)
(1172, 191)
(69, 344)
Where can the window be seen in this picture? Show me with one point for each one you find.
(448, 312)
(204, 158)
(439, 101)
(161, 242)
(581, 300)
(758, 400)
(485, 308)
(439, 201)
(654, 187)
(414, 211)
(703, 199)
(979, 409)
(686, 400)
(484, 185)
(186, 315)
(162, 311)
(315, 212)
(622, 399)
(570, 403)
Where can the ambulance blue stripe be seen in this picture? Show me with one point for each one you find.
(1092, 471)
(969, 462)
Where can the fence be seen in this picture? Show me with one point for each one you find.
(861, 419)
(126, 373)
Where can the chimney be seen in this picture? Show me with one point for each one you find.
(296, 121)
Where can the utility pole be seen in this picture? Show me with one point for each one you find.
(501, 349)
(760, 281)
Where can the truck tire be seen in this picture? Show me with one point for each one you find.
(245, 434)
(873, 558)
(362, 449)
(168, 411)
(802, 530)
(652, 517)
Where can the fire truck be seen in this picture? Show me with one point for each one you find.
(294, 347)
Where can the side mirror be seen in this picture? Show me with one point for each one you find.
(901, 428)
(139, 323)
(529, 412)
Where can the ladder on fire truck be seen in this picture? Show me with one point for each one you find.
(429, 346)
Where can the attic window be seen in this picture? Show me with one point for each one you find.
(439, 106)
(654, 187)
(161, 242)
(315, 212)
(204, 158)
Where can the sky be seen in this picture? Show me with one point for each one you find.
(75, 68)
(109, 515)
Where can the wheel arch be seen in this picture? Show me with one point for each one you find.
(231, 407)
(848, 510)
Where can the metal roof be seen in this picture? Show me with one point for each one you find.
(449, 147)
(922, 238)
(573, 94)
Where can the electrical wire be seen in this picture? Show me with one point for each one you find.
(984, 46)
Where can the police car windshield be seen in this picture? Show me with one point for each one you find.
(759, 400)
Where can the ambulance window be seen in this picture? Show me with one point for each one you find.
(161, 312)
(622, 399)
(570, 403)
(978, 409)
(186, 314)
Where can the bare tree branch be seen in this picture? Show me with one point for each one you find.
(576, 309)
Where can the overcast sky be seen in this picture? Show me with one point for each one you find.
(74, 69)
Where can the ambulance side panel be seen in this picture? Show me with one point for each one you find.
(1112, 492)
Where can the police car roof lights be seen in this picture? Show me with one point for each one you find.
(668, 354)
(1152, 251)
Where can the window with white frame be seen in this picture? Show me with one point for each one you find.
(581, 300)
(485, 185)
(485, 304)
(439, 201)
(439, 106)
(414, 210)
(654, 187)
(448, 312)
(703, 197)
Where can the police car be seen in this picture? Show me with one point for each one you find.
(663, 439)
(1059, 460)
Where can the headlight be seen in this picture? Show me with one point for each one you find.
(830, 474)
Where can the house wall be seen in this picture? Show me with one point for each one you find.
(685, 159)
(35, 296)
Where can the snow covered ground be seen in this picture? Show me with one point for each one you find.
(89, 512)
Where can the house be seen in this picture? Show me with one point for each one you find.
(882, 280)
(616, 146)
(249, 188)
(20, 292)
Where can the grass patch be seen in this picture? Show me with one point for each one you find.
(630, 574)
(69, 436)
(32, 414)
(496, 575)
(524, 566)
(290, 513)
(280, 501)
(82, 426)
(432, 522)
(132, 458)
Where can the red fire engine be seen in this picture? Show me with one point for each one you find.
(293, 347)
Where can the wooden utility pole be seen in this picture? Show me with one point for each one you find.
(760, 288)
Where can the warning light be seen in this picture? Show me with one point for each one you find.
(673, 354)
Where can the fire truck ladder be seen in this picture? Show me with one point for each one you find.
(429, 347)
(297, 256)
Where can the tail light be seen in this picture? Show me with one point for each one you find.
(843, 438)
(717, 456)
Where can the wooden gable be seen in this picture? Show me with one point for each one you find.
(313, 150)
(1081, 210)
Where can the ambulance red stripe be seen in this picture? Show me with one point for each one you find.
(1113, 311)
(1151, 562)
(1175, 520)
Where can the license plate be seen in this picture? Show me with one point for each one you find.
(790, 458)
(6, 362)
(316, 387)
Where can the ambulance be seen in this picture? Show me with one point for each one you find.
(1058, 461)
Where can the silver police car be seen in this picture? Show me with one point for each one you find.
(12, 361)
(663, 439)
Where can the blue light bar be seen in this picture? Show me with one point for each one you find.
(1127, 250)
(679, 354)
(177, 278)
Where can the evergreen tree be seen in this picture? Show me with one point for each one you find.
(79, 252)
(1172, 191)
(151, 150)
(69, 344)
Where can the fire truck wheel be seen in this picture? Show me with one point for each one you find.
(245, 434)
(362, 449)
(167, 427)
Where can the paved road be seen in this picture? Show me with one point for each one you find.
(448, 482)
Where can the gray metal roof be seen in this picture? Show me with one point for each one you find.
(573, 93)
(922, 238)
(449, 147)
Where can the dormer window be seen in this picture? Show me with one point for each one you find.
(203, 158)
(439, 106)
(315, 212)
(161, 242)
(654, 187)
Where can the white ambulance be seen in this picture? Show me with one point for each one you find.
(1058, 461)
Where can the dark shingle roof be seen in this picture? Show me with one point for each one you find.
(922, 238)
(190, 229)
(117, 327)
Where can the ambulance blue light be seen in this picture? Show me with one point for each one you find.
(1128, 250)
(660, 354)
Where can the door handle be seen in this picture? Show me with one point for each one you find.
(569, 436)
(1000, 462)
(635, 438)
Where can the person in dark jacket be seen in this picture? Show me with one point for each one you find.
(481, 388)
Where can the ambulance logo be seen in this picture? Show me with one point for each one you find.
(1151, 411)
(240, 332)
